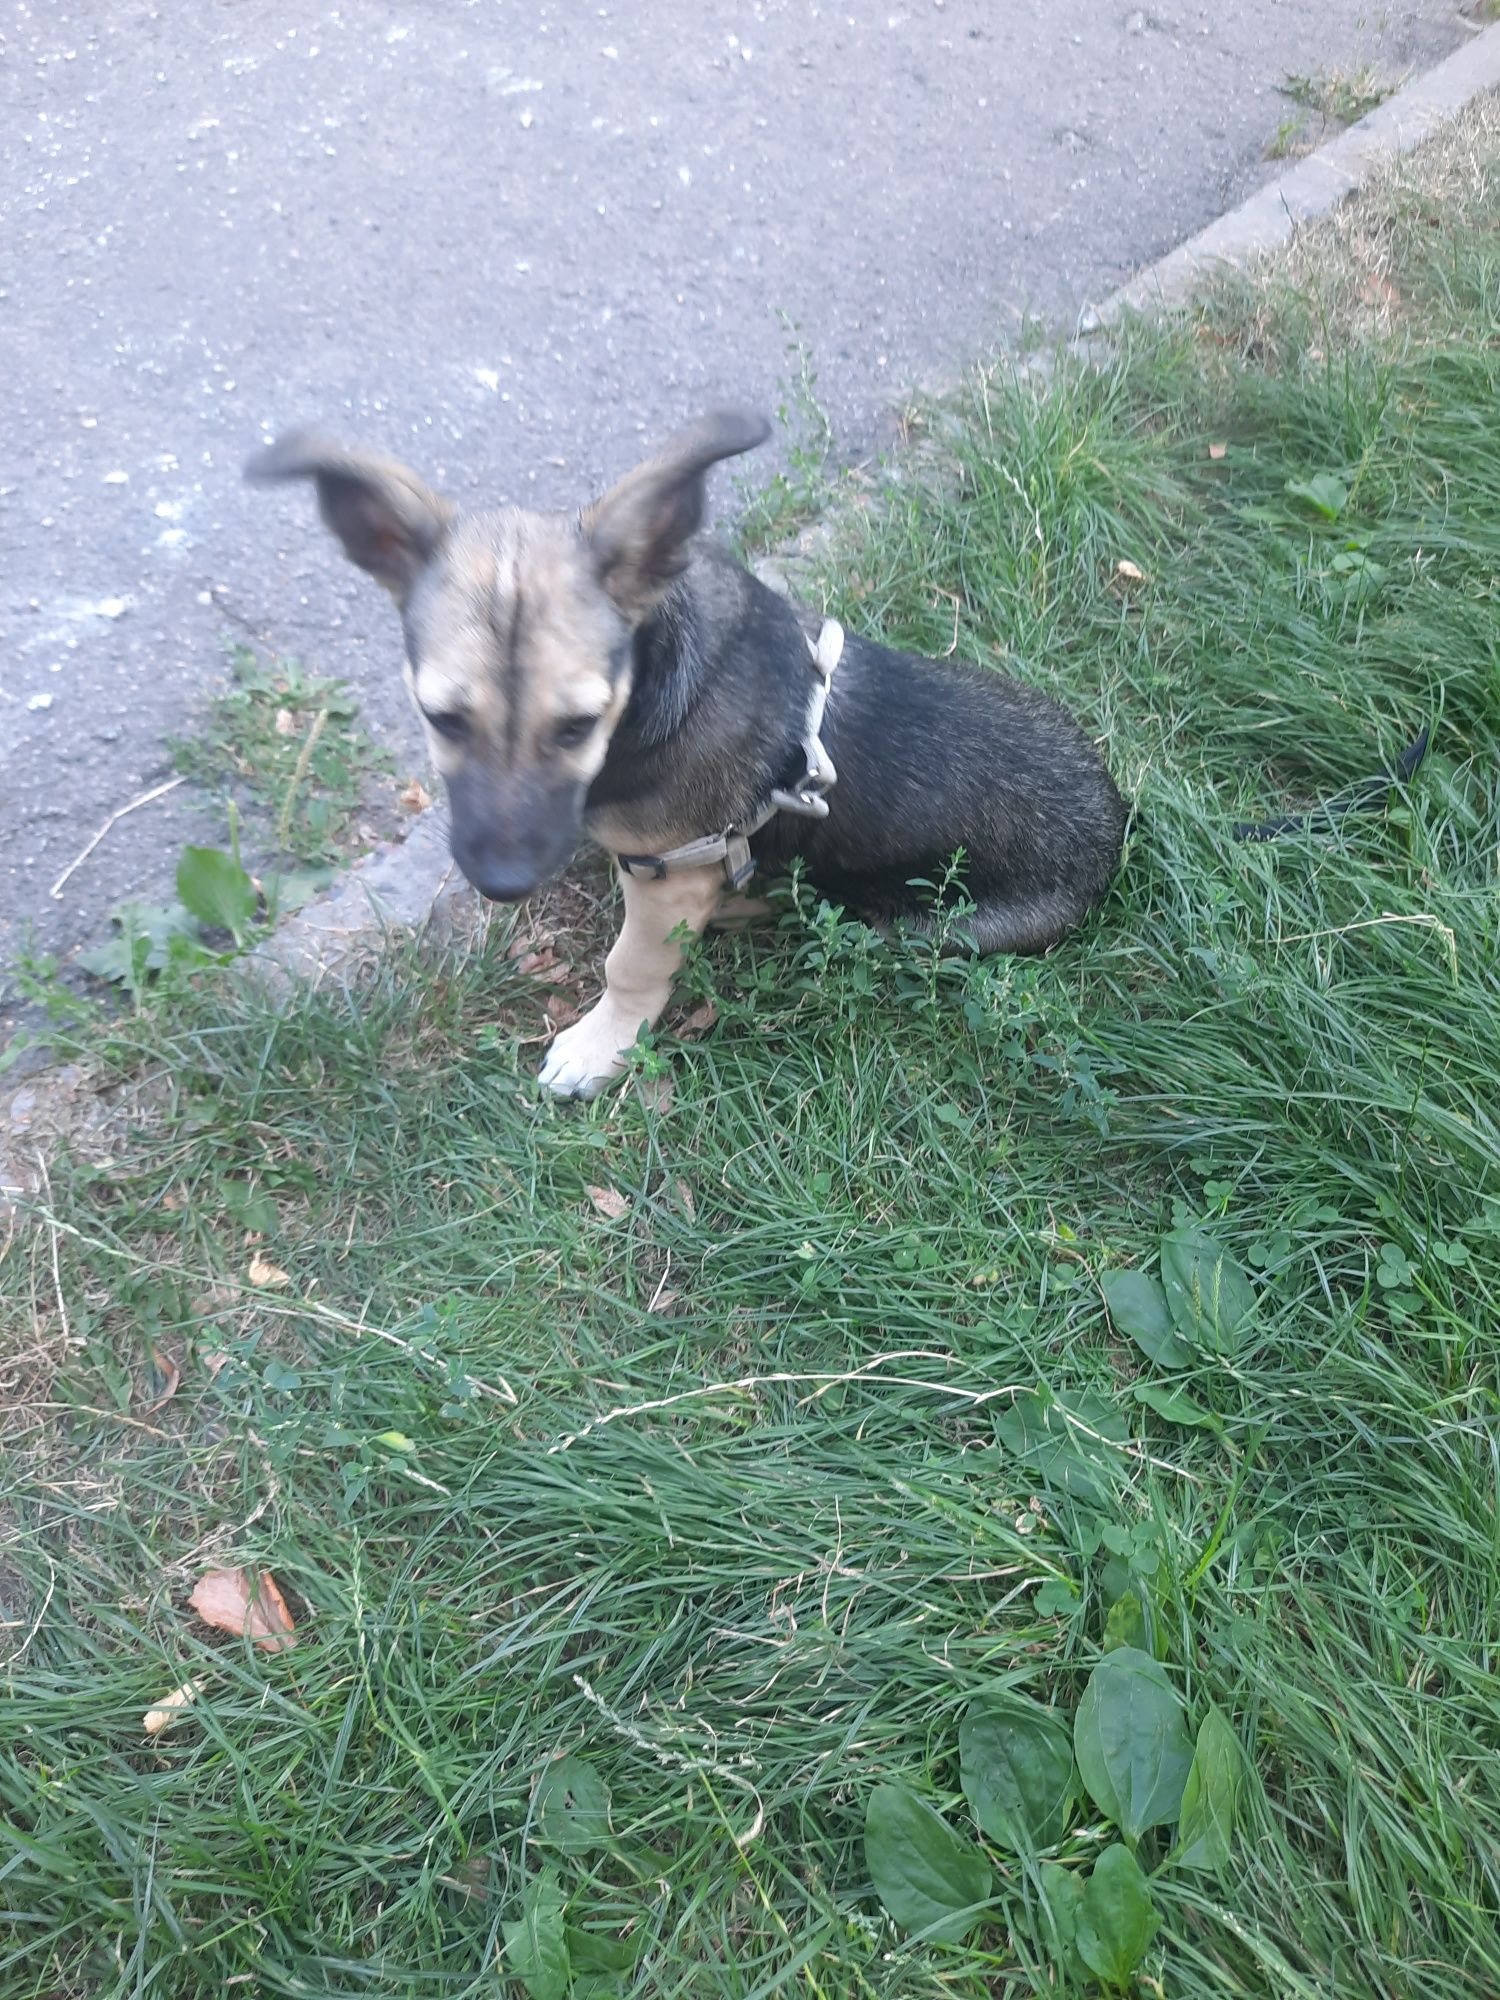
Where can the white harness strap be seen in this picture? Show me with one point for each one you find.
(808, 797)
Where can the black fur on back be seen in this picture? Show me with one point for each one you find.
(932, 757)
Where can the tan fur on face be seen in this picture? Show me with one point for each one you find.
(509, 627)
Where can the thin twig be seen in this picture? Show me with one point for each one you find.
(818, 1386)
(157, 792)
(1423, 919)
(36, 1623)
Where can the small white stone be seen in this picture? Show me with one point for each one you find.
(117, 478)
(39, 701)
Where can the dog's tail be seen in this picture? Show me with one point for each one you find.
(1360, 798)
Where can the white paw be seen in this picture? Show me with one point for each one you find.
(589, 1055)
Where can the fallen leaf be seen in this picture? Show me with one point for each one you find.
(170, 1708)
(537, 961)
(529, 941)
(608, 1201)
(471, 1877)
(560, 1010)
(212, 1362)
(663, 1302)
(264, 1272)
(173, 1200)
(1217, 450)
(1125, 567)
(416, 797)
(685, 1196)
(657, 1093)
(286, 722)
(232, 1600)
(701, 1018)
(170, 1371)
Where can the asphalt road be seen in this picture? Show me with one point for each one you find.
(510, 240)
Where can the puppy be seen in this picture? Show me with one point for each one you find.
(611, 673)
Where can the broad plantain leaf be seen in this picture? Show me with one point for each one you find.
(1138, 1306)
(214, 886)
(1131, 1742)
(149, 934)
(1176, 1406)
(1210, 1798)
(572, 1806)
(1210, 1297)
(1071, 1457)
(928, 1877)
(1015, 1761)
(1328, 494)
(1125, 1624)
(1062, 1901)
(537, 1947)
(1116, 1919)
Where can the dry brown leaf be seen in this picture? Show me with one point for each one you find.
(537, 961)
(416, 797)
(663, 1302)
(701, 1018)
(528, 941)
(171, 1708)
(1217, 450)
(657, 1093)
(286, 722)
(169, 1368)
(1378, 291)
(471, 1877)
(1126, 568)
(212, 1362)
(264, 1272)
(232, 1600)
(685, 1196)
(608, 1201)
(560, 1010)
(173, 1200)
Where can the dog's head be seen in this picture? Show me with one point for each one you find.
(518, 626)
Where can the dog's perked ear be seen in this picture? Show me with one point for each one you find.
(388, 519)
(640, 530)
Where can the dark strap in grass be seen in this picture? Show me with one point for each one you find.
(1369, 792)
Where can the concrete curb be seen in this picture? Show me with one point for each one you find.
(1313, 187)
(410, 886)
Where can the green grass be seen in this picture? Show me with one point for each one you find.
(723, 1493)
(291, 744)
(1340, 95)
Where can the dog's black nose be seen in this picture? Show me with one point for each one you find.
(502, 881)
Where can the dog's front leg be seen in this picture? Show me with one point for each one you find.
(638, 977)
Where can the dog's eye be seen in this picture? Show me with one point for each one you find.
(451, 722)
(575, 731)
